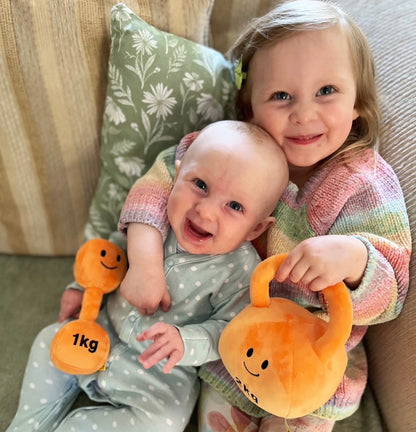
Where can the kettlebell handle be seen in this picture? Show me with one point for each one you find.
(337, 297)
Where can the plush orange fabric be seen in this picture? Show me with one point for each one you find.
(82, 346)
(285, 359)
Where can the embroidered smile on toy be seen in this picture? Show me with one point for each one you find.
(284, 358)
(82, 346)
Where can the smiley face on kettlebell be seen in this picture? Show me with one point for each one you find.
(248, 365)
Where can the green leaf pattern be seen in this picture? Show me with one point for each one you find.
(160, 87)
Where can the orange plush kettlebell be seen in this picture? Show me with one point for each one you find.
(82, 346)
(285, 359)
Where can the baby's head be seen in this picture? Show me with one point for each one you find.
(226, 187)
(289, 19)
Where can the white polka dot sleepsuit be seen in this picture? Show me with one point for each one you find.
(206, 290)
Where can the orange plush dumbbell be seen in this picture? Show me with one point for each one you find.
(82, 346)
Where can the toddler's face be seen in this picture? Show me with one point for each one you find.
(218, 199)
(303, 93)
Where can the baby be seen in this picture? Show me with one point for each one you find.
(226, 187)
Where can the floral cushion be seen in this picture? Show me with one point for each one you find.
(160, 87)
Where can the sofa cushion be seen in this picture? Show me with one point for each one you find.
(53, 68)
(229, 18)
(160, 87)
(390, 29)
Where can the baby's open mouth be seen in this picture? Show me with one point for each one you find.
(197, 231)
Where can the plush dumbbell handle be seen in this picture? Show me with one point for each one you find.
(91, 304)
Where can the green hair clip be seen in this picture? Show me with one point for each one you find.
(239, 75)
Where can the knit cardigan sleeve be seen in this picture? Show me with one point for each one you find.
(365, 200)
(375, 213)
(146, 201)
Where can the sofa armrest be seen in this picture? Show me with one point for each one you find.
(391, 350)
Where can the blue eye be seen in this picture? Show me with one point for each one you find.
(281, 96)
(326, 90)
(234, 205)
(200, 184)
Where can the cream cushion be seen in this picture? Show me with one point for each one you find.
(53, 68)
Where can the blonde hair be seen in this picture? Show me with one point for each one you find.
(293, 16)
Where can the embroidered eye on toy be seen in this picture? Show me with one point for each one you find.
(82, 346)
(285, 359)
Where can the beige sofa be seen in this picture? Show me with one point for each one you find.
(53, 68)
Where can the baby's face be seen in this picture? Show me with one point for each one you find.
(219, 196)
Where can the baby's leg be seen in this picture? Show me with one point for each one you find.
(217, 414)
(47, 393)
(126, 419)
(141, 400)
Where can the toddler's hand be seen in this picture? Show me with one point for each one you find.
(323, 261)
(71, 302)
(167, 343)
(145, 289)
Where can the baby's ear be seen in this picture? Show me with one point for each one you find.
(260, 228)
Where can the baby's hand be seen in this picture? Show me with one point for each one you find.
(323, 261)
(145, 289)
(167, 343)
(71, 302)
